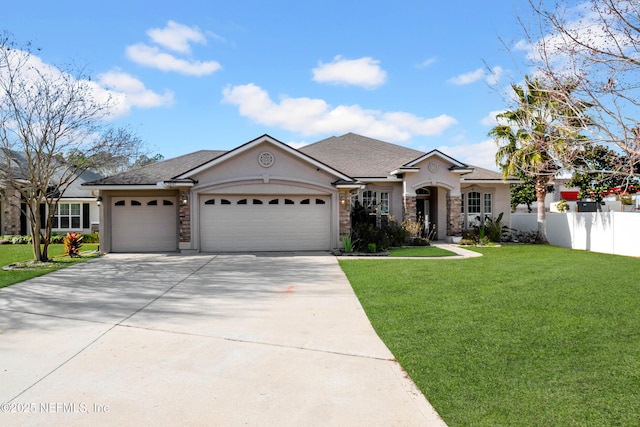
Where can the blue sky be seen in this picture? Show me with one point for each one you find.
(214, 75)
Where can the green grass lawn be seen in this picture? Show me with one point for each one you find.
(523, 336)
(420, 251)
(10, 254)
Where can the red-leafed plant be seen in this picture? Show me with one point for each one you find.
(72, 243)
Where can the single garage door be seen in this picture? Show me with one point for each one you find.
(144, 224)
(264, 223)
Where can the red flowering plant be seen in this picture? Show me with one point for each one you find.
(72, 243)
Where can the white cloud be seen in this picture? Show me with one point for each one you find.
(492, 76)
(176, 37)
(364, 72)
(131, 92)
(427, 63)
(297, 145)
(490, 119)
(309, 116)
(153, 57)
(116, 90)
(468, 78)
(482, 154)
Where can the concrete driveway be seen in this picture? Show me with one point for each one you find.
(198, 340)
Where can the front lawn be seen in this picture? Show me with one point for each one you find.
(10, 254)
(420, 251)
(523, 336)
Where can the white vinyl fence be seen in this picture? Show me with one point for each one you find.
(608, 232)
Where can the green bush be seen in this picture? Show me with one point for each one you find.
(56, 238)
(367, 235)
(21, 240)
(419, 241)
(91, 238)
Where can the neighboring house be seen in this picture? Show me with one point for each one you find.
(78, 210)
(267, 196)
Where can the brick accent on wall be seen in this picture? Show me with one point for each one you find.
(184, 217)
(409, 208)
(454, 206)
(11, 214)
(345, 212)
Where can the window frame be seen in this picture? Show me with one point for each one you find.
(68, 213)
(467, 216)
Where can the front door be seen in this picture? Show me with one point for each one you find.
(426, 212)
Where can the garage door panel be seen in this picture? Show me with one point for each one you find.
(144, 224)
(265, 227)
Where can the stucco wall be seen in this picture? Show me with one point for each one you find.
(243, 174)
(245, 166)
(501, 197)
(434, 172)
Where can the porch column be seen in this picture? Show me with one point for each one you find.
(454, 206)
(410, 211)
(11, 213)
(184, 217)
(344, 212)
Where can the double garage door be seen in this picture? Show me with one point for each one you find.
(238, 223)
(144, 224)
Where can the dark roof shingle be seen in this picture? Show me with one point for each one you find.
(359, 156)
(160, 171)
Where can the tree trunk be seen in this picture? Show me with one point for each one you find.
(541, 194)
(34, 219)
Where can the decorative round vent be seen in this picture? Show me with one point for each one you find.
(266, 159)
(433, 167)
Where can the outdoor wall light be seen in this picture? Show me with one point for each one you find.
(185, 199)
(99, 201)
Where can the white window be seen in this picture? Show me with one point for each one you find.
(474, 203)
(68, 215)
(369, 199)
(384, 203)
(377, 203)
(488, 205)
(475, 207)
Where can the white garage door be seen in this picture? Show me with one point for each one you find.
(264, 223)
(144, 224)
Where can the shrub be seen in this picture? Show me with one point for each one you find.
(72, 244)
(412, 228)
(562, 206)
(21, 240)
(372, 232)
(57, 238)
(491, 229)
(525, 236)
(91, 238)
(347, 243)
(419, 241)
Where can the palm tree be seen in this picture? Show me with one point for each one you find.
(537, 136)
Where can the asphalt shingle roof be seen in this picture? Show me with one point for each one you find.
(482, 174)
(359, 156)
(354, 155)
(160, 171)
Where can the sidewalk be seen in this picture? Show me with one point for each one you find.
(460, 252)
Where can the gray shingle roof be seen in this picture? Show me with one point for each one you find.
(481, 174)
(359, 156)
(161, 171)
(354, 155)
